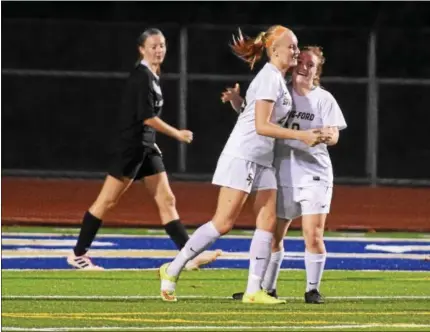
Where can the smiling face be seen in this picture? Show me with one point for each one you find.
(286, 50)
(153, 49)
(306, 71)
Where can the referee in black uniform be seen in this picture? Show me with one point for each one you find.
(137, 155)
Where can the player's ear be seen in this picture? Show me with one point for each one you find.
(142, 51)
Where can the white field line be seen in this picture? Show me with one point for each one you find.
(150, 297)
(155, 253)
(330, 238)
(213, 328)
(18, 241)
(210, 269)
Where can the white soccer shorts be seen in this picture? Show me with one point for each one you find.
(244, 175)
(293, 202)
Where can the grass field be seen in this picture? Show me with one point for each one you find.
(128, 300)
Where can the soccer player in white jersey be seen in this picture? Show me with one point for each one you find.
(304, 174)
(245, 165)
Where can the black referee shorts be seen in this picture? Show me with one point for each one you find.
(136, 163)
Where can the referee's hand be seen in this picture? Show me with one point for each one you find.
(185, 136)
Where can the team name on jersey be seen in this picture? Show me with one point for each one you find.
(300, 115)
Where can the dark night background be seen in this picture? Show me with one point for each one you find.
(66, 123)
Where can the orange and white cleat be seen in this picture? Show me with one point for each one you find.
(204, 258)
(168, 284)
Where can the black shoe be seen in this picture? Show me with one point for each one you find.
(313, 296)
(239, 296)
(273, 293)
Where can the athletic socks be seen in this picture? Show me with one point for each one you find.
(314, 264)
(272, 272)
(89, 229)
(259, 251)
(177, 233)
(201, 239)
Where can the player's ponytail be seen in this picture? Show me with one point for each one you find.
(250, 49)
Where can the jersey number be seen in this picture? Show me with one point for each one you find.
(294, 126)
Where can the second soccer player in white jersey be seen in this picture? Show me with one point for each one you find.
(245, 165)
(304, 174)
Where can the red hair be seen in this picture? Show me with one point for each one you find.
(251, 50)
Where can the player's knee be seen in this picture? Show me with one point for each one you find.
(107, 204)
(166, 200)
(223, 226)
(278, 241)
(277, 245)
(313, 238)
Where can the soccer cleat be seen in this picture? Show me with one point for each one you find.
(203, 259)
(167, 295)
(239, 296)
(83, 263)
(273, 293)
(313, 296)
(261, 297)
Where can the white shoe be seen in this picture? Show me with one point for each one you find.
(82, 263)
(203, 259)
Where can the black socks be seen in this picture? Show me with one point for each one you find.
(89, 229)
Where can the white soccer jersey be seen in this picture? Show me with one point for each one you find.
(244, 142)
(297, 164)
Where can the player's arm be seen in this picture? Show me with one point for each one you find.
(166, 129)
(334, 137)
(146, 112)
(333, 121)
(264, 127)
(233, 96)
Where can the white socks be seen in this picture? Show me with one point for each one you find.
(314, 264)
(201, 239)
(272, 272)
(259, 259)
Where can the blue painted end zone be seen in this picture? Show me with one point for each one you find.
(226, 244)
(345, 248)
(147, 263)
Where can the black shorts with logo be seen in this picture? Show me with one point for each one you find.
(137, 163)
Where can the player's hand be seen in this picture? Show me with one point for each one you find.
(311, 137)
(185, 136)
(327, 134)
(231, 94)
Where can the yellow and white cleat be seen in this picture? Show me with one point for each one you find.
(261, 297)
(204, 258)
(168, 284)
